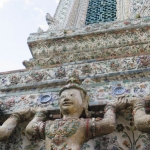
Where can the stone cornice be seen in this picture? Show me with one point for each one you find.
(120, 68)
(99, 94)
(90, 29)
(71, 57)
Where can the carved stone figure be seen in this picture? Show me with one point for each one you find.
(141, 119)
(52, 22)
(9, 125)
(71, 131)
(49, 19)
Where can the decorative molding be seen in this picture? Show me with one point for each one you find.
(132, 33)
(93, 28)
(76, 55)
(96, 69)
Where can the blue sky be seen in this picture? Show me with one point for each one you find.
(19, 18)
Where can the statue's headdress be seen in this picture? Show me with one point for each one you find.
(73, 82)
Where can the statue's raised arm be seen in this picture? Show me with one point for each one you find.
(9, 125)
(71, 131)
(36, 127)
(106, 125)
(141, 119)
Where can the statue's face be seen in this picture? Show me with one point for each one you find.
(71, 101)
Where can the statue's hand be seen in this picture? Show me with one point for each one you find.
(120, 103)
(40, 109)
(24, 113)
(134, 100)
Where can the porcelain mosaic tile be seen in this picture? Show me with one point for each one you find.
(85, 54)
(121, 139)
(99, 94)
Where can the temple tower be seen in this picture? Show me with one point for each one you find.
(105, 42)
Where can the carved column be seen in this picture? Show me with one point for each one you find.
(73, 14)
(63, 12)
(82, 13)
(123, 9)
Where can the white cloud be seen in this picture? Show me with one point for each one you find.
(57, 1)
(43, 27)
(39, 10)
(2, 2)
(28, 2)
(10, 65)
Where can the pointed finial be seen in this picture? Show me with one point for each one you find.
(73, 83)
(39, 30)
(49, 19)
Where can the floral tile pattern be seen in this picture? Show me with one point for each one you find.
(99, 94)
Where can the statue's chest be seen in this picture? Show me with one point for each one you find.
(60, 129)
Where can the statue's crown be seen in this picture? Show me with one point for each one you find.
(73, 82)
